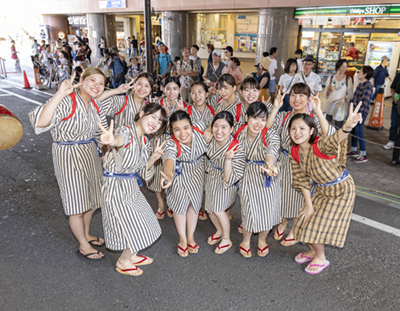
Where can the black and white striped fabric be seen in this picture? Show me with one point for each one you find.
(155, 183)
(219, 194)
(260, 205)
(122, 108)
(78, 168)
(128, 219)
(219, 104)
(187, 188)
(292, 201)
(207, 115)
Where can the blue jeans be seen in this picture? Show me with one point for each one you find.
(359, 132)
(129, 52)
(117, 80)
(394, 123)
(135, 52)
(376, 92)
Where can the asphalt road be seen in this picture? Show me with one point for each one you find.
(40, 269)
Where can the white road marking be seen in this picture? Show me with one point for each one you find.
(375, 224)
(33, 89)
(4, 95)
(23, 97)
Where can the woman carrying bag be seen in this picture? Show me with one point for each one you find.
(338, 92)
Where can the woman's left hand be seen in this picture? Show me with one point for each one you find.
(208, 135)
(158, 151)
(230, 154)
(180, 105)
(354, 117)
(316, 103)
(305, 215)
(270, 170)
(123, 88)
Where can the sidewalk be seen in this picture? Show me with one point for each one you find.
(377, 173)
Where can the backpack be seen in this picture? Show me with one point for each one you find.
(169, 61)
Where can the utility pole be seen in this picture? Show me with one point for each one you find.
(147, 31)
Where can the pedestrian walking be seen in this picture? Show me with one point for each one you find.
(128, 220)
(273, 71)
(14, 56)
(291, 201)
(259, 189)
(329, 199)
(224, 168)
(102, 46)
(35, 47)
(134, 46)
(72, 116)
(362, 94)
(183, 177)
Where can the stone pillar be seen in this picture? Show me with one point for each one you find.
(173, 29)
(111, 31)
(277, 28)
(96, 30)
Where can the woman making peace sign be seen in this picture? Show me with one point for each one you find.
(72, 116)
(329, 199)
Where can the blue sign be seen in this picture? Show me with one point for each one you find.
(241, 17)
(112, 4)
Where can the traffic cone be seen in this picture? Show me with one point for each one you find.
(376, 120)
(26, 82)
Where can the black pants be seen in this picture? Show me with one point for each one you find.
(396, 152)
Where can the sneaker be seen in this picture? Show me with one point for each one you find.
(352, 154)
(389, 145)
(361, 159)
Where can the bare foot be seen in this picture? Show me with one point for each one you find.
(182, 250)
(223, 246)
(95, 241)
(245, 249)
(140, 260)
(160, 214)
(316, 264)
(263, 249)
(289, 240)
(280, 231)
(128, 268)
(90, 250)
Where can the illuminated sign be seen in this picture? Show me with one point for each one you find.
(349, 11)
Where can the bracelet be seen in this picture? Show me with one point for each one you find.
(344, 131)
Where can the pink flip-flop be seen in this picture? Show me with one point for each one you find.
(322, 267)
(306, 258)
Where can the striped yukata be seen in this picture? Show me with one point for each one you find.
(187, 188)
(128, 219)
(236, 108)
(207, 115)
(155, 183)
(122, 108)
(78, 168)
(332, 205)
(220, 195)
(260, 205)
(292, 201)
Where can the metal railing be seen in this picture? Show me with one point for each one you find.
(3, 72)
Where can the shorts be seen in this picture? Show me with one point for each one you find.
(272, 87)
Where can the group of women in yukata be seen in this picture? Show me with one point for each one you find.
(223, 146)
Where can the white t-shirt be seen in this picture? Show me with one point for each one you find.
(46, 56)
(299, 65)
(272, 67)
(313, 81)
(287, 82)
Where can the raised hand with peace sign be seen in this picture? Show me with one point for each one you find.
(67, 87)
(316, 104)
(279, 100)
(271, 170)
(180, 105)
(125, 87)
(230, 154)
(108, 138)
(354, 117)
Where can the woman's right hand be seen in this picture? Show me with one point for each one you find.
(107, 138)
(67, 86)
(166, 180)
(279, 100)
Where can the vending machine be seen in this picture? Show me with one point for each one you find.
(375, 51)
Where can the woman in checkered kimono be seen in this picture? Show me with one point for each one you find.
(292, 201)
(124, 108)
(72, 116)
(329, 199)
(128, 220)
(183, 176)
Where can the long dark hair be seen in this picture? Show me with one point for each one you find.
(309, 121)
(178, 116)
(257, 110)
(151, 108)
(227, 116)
(289, 63)
(171, 80)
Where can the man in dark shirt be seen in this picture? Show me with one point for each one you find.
(394, 117)
(380, 75)
(134, 44)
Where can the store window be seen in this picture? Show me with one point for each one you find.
(213, 29)
(387, 23)
(384, 37)
(246, 33)
(328, 54)
(309, 42)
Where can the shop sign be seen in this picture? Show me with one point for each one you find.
(61, 35)
(349, 11)
(77, 20)
(112, 4)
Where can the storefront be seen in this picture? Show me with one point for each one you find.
(329, 32)
(77, 26)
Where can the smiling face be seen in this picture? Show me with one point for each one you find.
(250, 95)
(307, 66)
(199, 95)
(226, 91)
(142, 88)
(300, 132)
(150, 123)
(93, 85)
(221, 130)
(172, 91)
(256, 125)
(298, 101)
(182, 131)
(342, 69)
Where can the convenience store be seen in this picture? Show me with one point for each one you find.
(327, 33)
